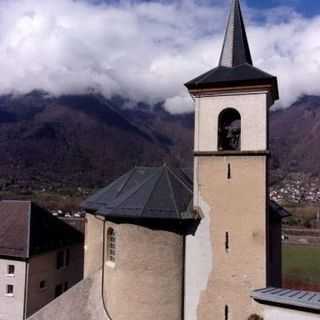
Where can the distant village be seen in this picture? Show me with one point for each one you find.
(297, 189)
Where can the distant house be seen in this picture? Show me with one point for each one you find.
(40, 258)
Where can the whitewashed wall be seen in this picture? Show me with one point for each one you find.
(276, 313)
(198, 260)
(12, 307)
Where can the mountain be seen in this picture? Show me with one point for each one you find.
(86, 140)
(295, 137)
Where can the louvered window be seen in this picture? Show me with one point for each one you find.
(111, 245)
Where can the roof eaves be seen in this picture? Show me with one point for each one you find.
(289, 298)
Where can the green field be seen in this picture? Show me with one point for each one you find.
(301, 265)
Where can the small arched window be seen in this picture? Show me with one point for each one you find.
(111, 245)
(229, 130)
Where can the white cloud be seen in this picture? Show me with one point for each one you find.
(145, 51)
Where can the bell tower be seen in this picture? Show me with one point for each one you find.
(228, 256)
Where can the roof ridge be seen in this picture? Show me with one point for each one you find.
(134, 191)
(173, 194)
(126, 181)
(152, 191)
(180, 180)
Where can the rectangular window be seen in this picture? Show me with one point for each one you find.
(11, 270)
(10, 290)
(229, 171)
(43, 284)
(60, 259)
(111, 245)
(67, 257)
(63, 258)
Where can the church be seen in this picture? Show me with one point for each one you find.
(167, 246)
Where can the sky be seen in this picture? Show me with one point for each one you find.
(145, 51)
(307, 8)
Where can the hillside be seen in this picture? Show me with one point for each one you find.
(69, 143)
(84, 140)
(295, 137)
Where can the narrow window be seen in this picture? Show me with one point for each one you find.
(226, 312)
(229, 171)
(11, 269)
(229, 130)
(227, 242)
(67, 257)
(43, 284)
(10, 290)
(111, 245)
(60, 259)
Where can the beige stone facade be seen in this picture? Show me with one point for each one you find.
(93, 244)
(228, 253)
(146, 279)
(237, 207)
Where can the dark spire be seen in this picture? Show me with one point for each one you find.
(235, 49)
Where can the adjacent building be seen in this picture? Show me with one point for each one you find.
(40, 258)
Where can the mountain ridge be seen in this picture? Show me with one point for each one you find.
(87, 140)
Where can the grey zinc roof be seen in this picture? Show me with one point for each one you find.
(235, 49)
(277, 211)
(289, 298)
(235, 64)
(145, 192)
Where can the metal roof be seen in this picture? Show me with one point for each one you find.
(277, 211)
(235, 64)
(145, 193)
(235, 49)
(289, 298)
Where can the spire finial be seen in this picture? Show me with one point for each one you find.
(235, 49)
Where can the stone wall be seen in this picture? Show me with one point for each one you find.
(146, 280)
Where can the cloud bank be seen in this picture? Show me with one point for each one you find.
(146, 51)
